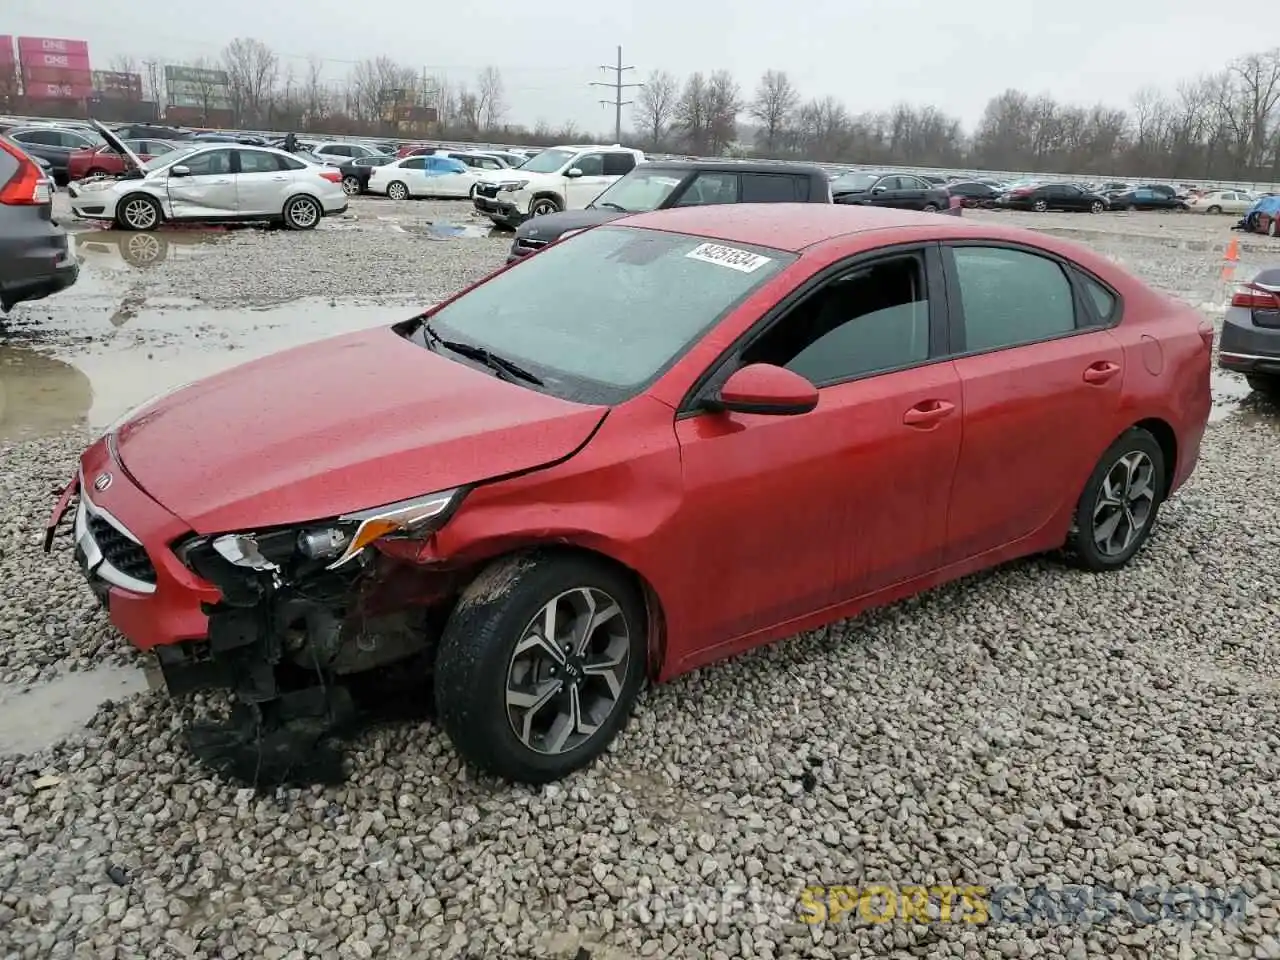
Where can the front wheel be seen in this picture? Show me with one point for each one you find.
(1040, 206)
(139, 212)
(539, 665)
(1214, 209)
(930, 208)
(472, 192)
(1097, 206)
(397, 191)
(543, 206)
(1118, 508)
(351, 186)
(302, 213)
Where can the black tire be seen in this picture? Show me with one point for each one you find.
(1097, 206)
(95, 172)
(1040, 206)
(477, 648)
(930, 208)
(397, 190)
(543, 206)
(472, 192)
(1214, 209)
(127, 219)
(302, 213)
(351, 186)
(1273, 226)
(1267, 384)
(1082, 547)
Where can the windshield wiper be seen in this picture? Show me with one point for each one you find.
(500, 365)
(612, 206)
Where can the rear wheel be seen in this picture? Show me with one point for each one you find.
(302, 213)
(1118, 508)
(397, 190)
(351, 185)
(1097, 206)
(539, 665)
(1265, 383)
(1214, 209)
(930, 208)
(138, 212)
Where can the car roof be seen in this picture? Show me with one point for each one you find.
(737, 166)
(792, 227)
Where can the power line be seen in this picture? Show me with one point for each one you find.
(617, 86)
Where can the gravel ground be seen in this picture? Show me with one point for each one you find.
(1032, 726)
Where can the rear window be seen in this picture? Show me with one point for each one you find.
(599, 316)
(1104, 302)
(769, 188)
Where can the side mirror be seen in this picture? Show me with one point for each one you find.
(573, 173)
(765, 389)
(179, 170)
(879, 189)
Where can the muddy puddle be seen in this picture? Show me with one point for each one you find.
(37, 717)
(122, 353)
(118, 250)
(1232, 396)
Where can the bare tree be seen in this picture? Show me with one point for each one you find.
(724, 103)
(252, 70)
(774, 106)
(489, 97)
(315, 97)
(153, 81)
(468, 109)
(206, 89)
(656, 106)
(378, 85)
(124, 63)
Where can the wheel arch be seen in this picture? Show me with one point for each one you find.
(550, 195)
(1168, 440)
(599, 553)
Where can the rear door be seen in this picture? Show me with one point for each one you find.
(260, 183)
(210, 188)
(1042, 384)
(914, 193)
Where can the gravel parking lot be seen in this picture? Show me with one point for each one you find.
(1033, 727)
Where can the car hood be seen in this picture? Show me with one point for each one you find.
(552, 225)
(348, 423)
(131, 159)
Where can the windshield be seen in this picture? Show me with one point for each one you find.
(549, 161)
(600, 316)
(854, 181)
(638, 192)
(164, 159)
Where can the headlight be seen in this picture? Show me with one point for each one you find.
(337, 541)
(513, 186)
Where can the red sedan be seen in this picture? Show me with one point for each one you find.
(105, 161)
(658, 443)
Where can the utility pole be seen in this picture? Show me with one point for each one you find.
(617, 86)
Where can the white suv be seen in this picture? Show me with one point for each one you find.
(558, 178)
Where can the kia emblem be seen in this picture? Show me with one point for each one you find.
(102, 481)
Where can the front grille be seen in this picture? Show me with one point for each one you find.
(487, 190)
(121, 552)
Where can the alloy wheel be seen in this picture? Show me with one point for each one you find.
(303, 213)
(350, 186)
(398, 191)
(140, 214)
(142, 249)
(567, 671)
(1125, 502)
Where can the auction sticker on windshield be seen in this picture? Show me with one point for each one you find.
(743, 261)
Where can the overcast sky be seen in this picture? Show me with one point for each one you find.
(870, 53)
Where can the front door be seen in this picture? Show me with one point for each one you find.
(796, 513)
(1042, 394)
(209, 190)
(579, 191)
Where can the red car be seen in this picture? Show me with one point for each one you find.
(660, 442)
(105, 161)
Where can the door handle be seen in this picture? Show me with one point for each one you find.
(1101, 372)
(927, 413)
(279, 178)
(222, 181)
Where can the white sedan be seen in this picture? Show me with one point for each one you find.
(211, 182)
(425, 176)
(1222, 201)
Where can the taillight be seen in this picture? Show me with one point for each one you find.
(1253, 296)
(28, 186)
(333, 176)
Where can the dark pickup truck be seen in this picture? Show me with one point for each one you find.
(659, 184)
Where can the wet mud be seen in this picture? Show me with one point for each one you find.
(34, 718)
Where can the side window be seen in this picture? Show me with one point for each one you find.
(1011, 297)
(591, 165)
(871, 320)
(454, 166)
(290, 163)
(915, 183)
(885, 183)
(72, 140)
(708, 188)
(338, 150)
(43, 137)
(415, 163)
(253, 162)
(803, 191)
(487, 163)
(209, 163)
(619, 164)
(1104, 302)
(768, 188)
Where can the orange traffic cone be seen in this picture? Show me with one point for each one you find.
(1230, 259)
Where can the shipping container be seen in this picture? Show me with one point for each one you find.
(57, 91)
(123, 111)
(7, 55)
(114, 85)
(56, 61)
(220, 119)
(41, 45)
(79, 78)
